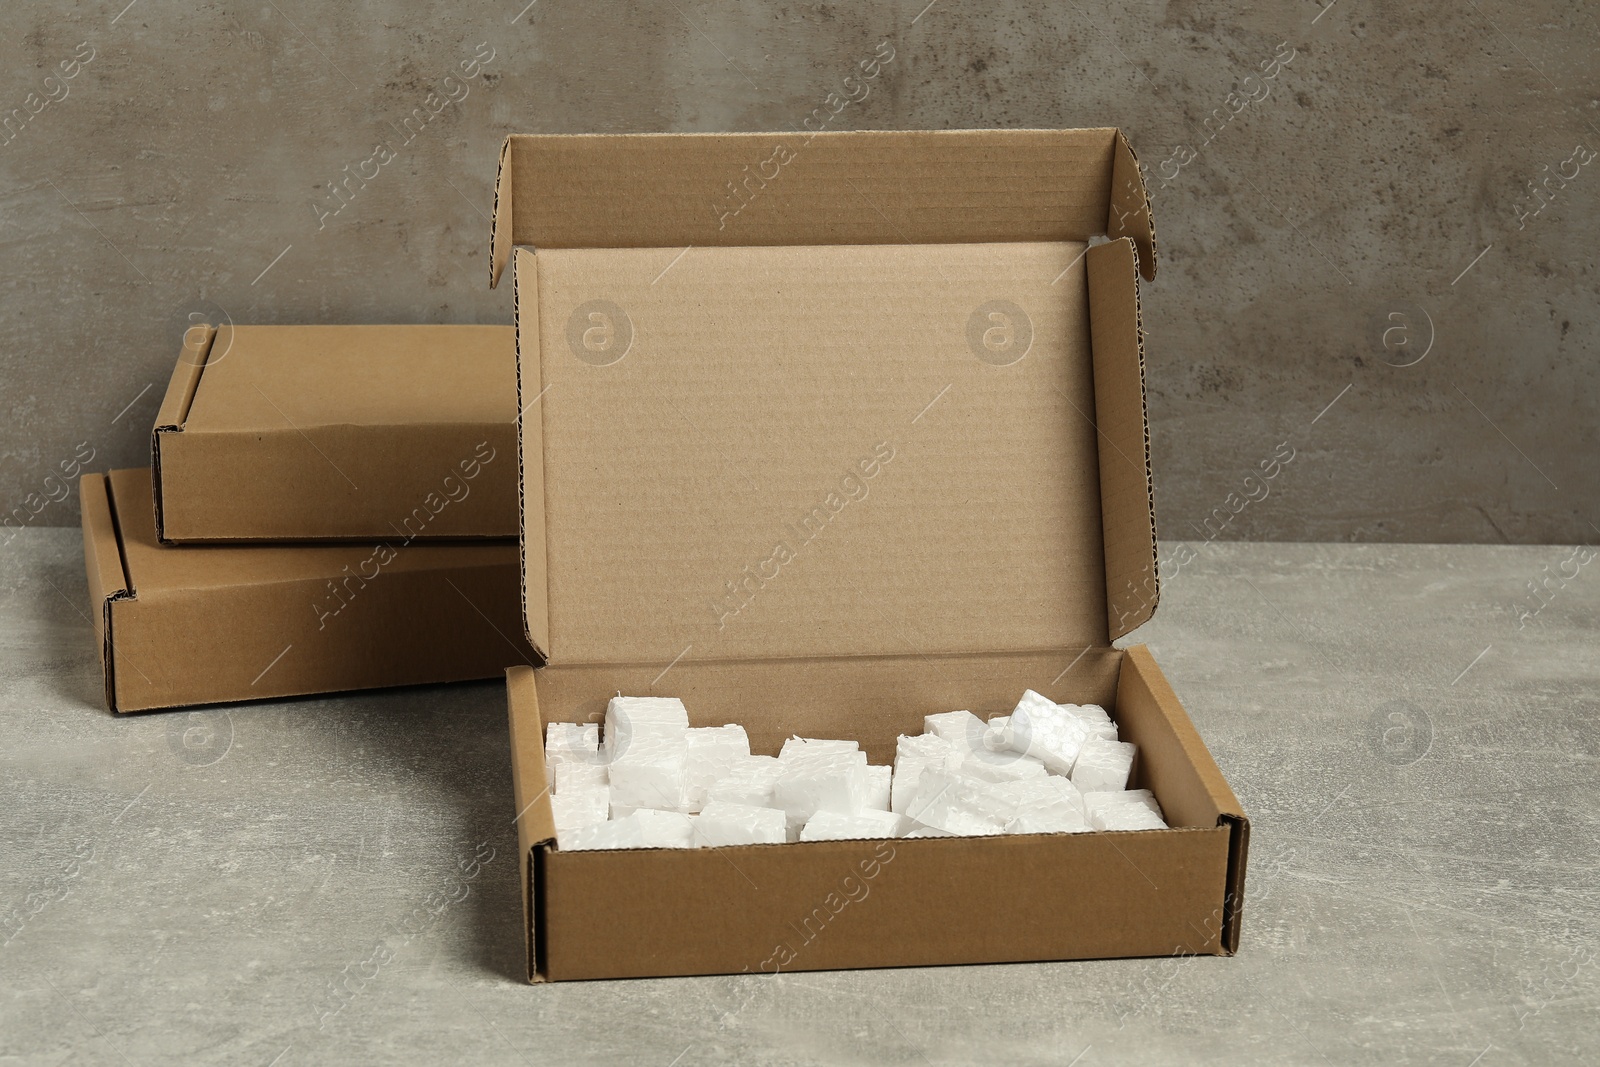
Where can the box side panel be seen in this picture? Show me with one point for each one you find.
(534, 821)
(870, 699)
(844, 904)
(178, 647)
(197, 342)
(1192, 787)
(1169, 745)
(530, 454)
(1127, 510)
(424, 482)
(803, 188)
(103, 565)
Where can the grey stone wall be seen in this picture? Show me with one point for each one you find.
(1378, 226)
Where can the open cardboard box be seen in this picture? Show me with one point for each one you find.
(318, 433)
(205, 624)
(823, 434)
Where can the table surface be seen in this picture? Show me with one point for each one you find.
(1412, 732)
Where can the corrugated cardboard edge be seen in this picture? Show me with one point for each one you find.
(530, 460)
(106, 570)
(1130, 213)
(500, 228)
(197, 342)
(1127, 509)
(535, 821)
(1140, 671)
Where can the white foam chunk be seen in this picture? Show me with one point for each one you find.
(642, 829)
(1006, 765)
(1103, 766)
(1044, 730)
(795, 747)
(1051, 804)
(721, 823)
(913, 755)
(880, 786)
(569, 742)
(631, 717)
(927, 831)
(958, 803)
(713, 752)
(841, 826)
(1133, 809)
(826, 779)
(1095, 719)
(964, 730)
(577, 809)
(574, 777)
(647, 742)
(1038, 822)
(650, 774)
(749, 782)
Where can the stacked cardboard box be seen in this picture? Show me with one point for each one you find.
(328, 508)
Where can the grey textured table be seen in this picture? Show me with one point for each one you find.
(1418, 755)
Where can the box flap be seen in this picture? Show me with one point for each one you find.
(197, 342)
(530, 456)
(819, 450)
(1127, 510)
(867, 187)
(1130, 215)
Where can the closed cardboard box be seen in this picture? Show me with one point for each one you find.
(316, 433)
(206, 624)
(869, 447)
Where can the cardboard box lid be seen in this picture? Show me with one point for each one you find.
(341, 433)
(264, 377)
(804, 442)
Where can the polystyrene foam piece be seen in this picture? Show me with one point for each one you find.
(569, 742)
(840, 826)
(1103, 766)
(1044, 730)
(575, 777)
(712, 754)
(720, 824)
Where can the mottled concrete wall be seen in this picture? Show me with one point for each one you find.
(1374, 190)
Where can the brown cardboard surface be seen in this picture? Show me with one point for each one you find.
(823, 403)
(867, 187)
(338, 433)
(892, 903)
(207, 624)
(530, 458)
(534, 820)
(644, 912)
(1127, 517)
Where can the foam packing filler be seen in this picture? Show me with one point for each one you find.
(647, 779)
